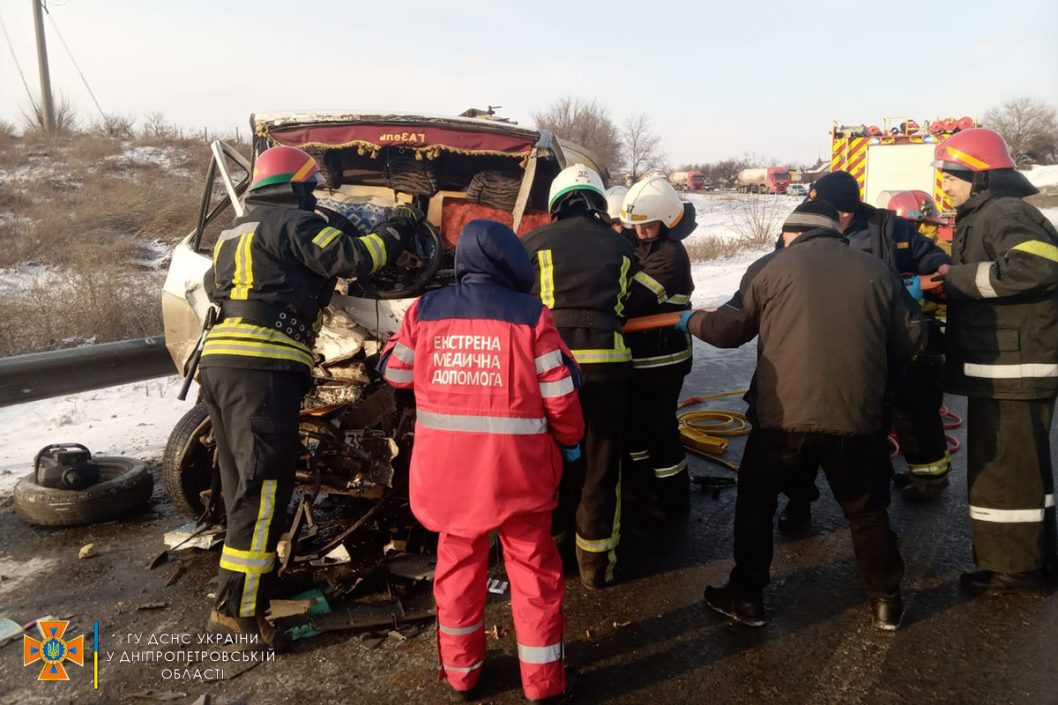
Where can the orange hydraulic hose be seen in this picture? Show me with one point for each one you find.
(657, 320)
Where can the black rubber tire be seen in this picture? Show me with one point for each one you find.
(187, 465)
(124, 485)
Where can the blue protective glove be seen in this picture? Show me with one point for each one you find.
(913, 284)
(570, 453)
(684, 318)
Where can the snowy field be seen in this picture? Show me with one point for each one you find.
(135, 419)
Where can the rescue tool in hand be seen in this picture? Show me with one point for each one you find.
(658, 320)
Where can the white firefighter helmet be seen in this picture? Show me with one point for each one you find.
(615, 196)
(575, 178)
(654, 198)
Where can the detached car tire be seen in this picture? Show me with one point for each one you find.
(124, 485)
(187, 464)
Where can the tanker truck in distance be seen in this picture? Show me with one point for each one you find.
(772, 179)
(687, 180)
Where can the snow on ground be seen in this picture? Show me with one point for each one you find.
(22, 277)
(716, 281)
(163, 157)
(718, 215)
(131, 419)
(1041, 176)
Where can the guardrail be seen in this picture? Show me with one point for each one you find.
(41, 375)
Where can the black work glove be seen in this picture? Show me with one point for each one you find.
(410, 215)
(399, 230)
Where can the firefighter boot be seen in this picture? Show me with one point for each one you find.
(922, 489)
(926, 480)
(596, 570)
(251, 633)
(989, 582)
(674, 495)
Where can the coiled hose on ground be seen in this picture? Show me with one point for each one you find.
(705, 432)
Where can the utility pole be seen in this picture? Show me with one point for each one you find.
(46, 105)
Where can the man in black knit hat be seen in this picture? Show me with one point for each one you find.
(820, 381)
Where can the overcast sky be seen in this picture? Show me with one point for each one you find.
(716, 78)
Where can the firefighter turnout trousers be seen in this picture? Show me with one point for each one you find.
(857, 470)
(255, 424)
(1011, 483)
(589, 492)
(535, 572)
(655, 447)
(918, 397)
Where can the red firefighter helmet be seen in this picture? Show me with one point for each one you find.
(977, 149)
(915, 205)
(283, 165)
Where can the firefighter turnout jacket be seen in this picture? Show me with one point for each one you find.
(274, 271)
(662, 284)
(584, 270)
(1002, 293)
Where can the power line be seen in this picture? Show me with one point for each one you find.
(74, 61)
(17, 65)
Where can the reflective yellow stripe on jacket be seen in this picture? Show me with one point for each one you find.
(233, 336)
(619, 353)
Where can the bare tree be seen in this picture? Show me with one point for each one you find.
(642, 148)
(724, 172)
(758, 221)
(115, 125)
(1029, 126)
(586, 123)
(155, 126)
(65, 117)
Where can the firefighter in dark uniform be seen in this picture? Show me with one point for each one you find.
(661, 358)
(1002, 353)
(917, 391)
(583, 273)
(274, 270)
(898, 243)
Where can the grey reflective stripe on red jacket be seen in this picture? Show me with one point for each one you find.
(558, 388)
(405, 354)
(548, 361)
(399, 375)
(502, 425)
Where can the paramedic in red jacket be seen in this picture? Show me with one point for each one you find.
(496, 397)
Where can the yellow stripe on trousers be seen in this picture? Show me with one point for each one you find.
(265, 512)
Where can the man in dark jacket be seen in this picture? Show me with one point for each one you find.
(819, 398)
(1002, 353)
(584, 270)
(274, 270)
(898, 243)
